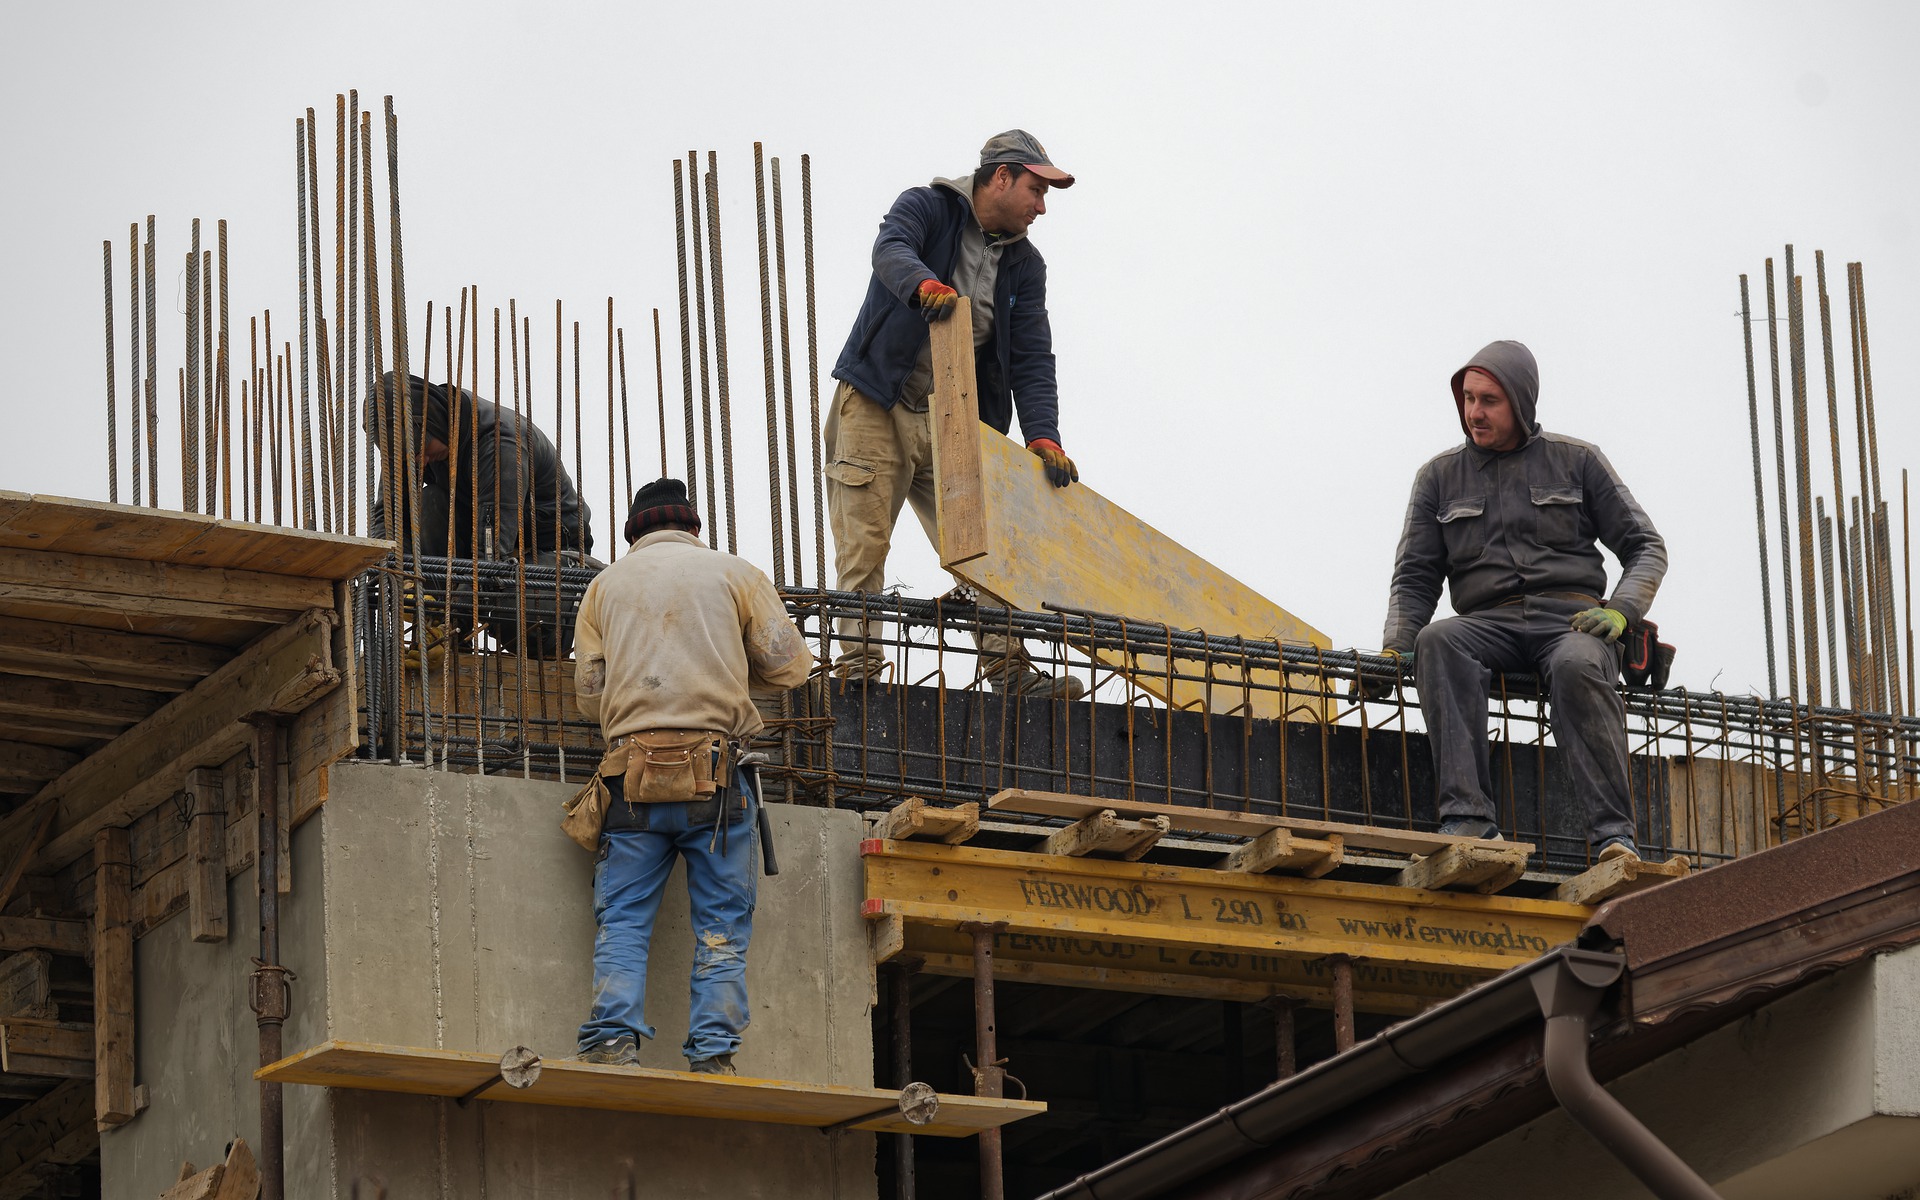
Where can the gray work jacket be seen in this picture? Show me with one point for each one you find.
(1498, 526)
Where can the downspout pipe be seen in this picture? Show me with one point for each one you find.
(1569, 994)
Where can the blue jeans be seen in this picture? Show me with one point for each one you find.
(627, 885)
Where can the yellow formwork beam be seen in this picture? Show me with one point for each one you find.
(1155, 919)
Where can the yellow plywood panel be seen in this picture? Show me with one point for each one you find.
(567, 1084)
(1027, 544)
(1195, 909)
(187, 539)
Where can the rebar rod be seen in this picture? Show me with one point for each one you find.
(1809, 595)
(373, 352)
(303, 464)
(1825, 524)
(698, 231)
(209, 383)
(1759, 489)
(1864, 633)
(579, 442)
(1780, 471)
(774, 515)
(190, 389)
(1906, 567)
(353, 354)
(406, 517)
(135, 454)
(813, 389)
(151, 384)
(224, 374)
(341, 367)
(686, 344)
(660, 395)
(720, 346)
(113, 404)
(786, 371)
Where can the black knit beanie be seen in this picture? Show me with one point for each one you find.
(659, 505)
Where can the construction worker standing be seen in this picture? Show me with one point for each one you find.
(1509, 521)
(965, 236)
(669, 640)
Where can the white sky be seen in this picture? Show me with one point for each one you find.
(1292, 223)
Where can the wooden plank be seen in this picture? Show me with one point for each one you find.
(1191, 908)
(1214, 820)
(1617, 877)
(92, 527)
(1106, 835)
(26, 985)
(1486, 867)
(915, 818)
(31, 762)
(96, 581)
(207, 855)
(959, 503)
(104, 655)
(283, 672)
(420, 1072)
(110, 708)
(113, 1096)
(1283, 850)
(62, 936)
(49, 1039)
(33, 1134)
(201, 1185)
(242, 1180)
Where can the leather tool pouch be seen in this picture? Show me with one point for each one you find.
(584, 816)
(674, 766)
(1648, 660)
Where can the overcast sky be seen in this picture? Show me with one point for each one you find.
(1292, 223)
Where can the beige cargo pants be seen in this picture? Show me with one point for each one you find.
(877, 460)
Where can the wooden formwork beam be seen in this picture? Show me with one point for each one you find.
(915, 818)
(113, 1087)
(1104, 834)
(207, 855)
(1486, 867)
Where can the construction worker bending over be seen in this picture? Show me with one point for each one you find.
(670, 638)
(527, 502)
(965, 236)
(1509, 520)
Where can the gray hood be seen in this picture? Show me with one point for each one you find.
(1511, 363)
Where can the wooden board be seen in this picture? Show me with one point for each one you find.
(568, 1084)
(1026, 544)
(189, 539)
(1213, 820)
(1189, 909)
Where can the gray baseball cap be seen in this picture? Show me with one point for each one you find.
(1019, 146)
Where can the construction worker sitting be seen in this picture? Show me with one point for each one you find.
(528, 507)
(669, 640)
(965, 236)
(1508, 520)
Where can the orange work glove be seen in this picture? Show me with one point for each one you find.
(936, 299)
(1060, 468)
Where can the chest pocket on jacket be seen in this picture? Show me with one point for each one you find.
(1463, 523)
(1556, 512)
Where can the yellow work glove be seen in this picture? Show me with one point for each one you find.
(1060, 468)
(1607, 624)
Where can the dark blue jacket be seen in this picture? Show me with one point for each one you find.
(920, 239)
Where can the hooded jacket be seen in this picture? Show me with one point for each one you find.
(919, 240)
(1499, 525)
(533, 490)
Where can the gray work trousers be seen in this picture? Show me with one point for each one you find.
(1454, 661)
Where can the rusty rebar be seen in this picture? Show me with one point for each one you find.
(209, 378)
(660, 393)
(303, 461)
(786, 372)
(1780, 470)
(353, 355)
(190, 389)
(152, 382)
(720, 346)
(700, 316)
(113, 404)
(1809, 617)
(225, 376)
(686, 343)
(613, 524)
(336, 430)
(1759, 488)
(405, 517)
(813, 391)
(135, 455)
(775, 520)
(1825, 525)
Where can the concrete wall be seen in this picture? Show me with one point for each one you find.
(444, 910)
(1817, 1094)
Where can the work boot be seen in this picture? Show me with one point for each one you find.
(1025, 681)
(1473, 827)
(621, 1051)
(854, 670)
(1620, 846)
(719, 1064)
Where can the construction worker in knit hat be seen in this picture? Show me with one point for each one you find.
(670, 639)
(965, 236)
(1509, 520)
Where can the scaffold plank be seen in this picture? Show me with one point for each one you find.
(1196, 915)
(564, 1083)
